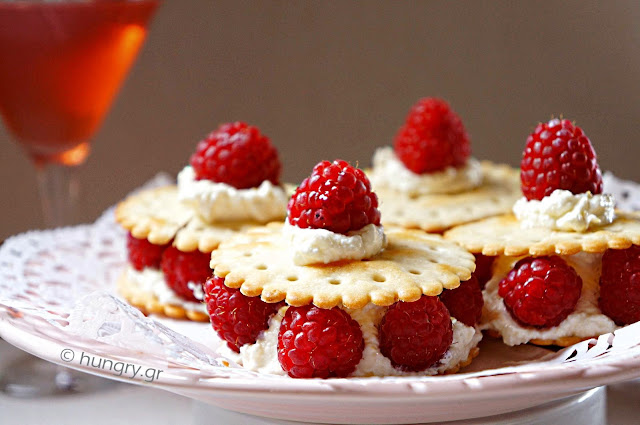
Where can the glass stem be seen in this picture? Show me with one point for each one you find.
(59, 192)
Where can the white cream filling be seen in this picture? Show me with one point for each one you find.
(263, 355)
(586, 321)
(562, 210)
(152, 281)
(314, 246)
(216, 202)
(389, 172)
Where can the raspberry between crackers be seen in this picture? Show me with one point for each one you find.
(565, 261)
(173, 229)
(338, 291)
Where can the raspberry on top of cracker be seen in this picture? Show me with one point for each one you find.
(430, 181)
(330, 293)
(234, 175)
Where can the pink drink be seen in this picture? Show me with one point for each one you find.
(61, 65)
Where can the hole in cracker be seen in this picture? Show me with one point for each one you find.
(334, 281)
(416, 272)
(378, 278)
(292, 278)
(261, 267)
(413, 196)
(248, 254)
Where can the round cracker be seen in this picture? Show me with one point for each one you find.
(498, 192)
(260, 263)
(148, 303)
(503, 235)
(158, 216)
(154, 214)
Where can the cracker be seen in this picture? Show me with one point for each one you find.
(155, 214)
(260, 263)
(498, 192)
(148, 303)
(473, 353)
(158, 216)
(565, 341)
(503, 235)
(197, 234)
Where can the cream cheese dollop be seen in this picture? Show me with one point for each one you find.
(586, 320)
(563, 210)
(321, 246)
(263, 355)
(389, 172)
(219, 202)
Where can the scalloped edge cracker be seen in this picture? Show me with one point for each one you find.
(158, 216)
(503, 235)
(498, 192)
(260, 263)
(148, 303)
(154, 214)
(205, 237)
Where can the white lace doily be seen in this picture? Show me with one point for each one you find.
(57, 291)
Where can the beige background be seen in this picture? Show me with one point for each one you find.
(336, 79)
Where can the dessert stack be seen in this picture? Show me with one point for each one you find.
(564, 266)
(231, 184)
(331, 293)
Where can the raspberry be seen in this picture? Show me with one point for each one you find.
(238, 155)
(541, 292)
(319, 343)
(432, 138)
(181, 268)
(620, 285)
(236, 318)
(415, 335)
(559, 156)
(143, 253)
(336, 197)
(465, 302)
(484, 264)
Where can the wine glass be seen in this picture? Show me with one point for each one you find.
(61, 64)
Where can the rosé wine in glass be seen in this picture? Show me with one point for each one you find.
(61, 64)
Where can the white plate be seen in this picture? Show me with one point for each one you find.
(57, 299)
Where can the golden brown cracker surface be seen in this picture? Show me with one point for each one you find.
(259, 262)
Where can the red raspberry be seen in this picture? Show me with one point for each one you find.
(432, 138)
(335, 197)
(181, 268)
(143, 253)
(415, 335)
(559, 156)
(620, 285)
(238, 155)
(236, 318)
(465, 302)
(541, 292)
(484, 273)
(319, 343)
